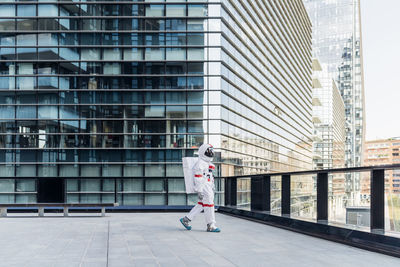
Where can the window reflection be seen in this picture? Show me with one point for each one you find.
(154, 10)
(26, 25)
(26, 10)
(48, 24)
(176, 24)
(176, 10)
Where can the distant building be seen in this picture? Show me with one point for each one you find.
(382, 152)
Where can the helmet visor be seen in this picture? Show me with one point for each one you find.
(209, 152)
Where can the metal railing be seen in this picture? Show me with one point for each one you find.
(261, 192)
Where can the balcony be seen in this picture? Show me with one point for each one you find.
(316, 136)
(316, 65)
(316, 83)
(317, 155)
(158, 239)
(316, 119)
(316, 102)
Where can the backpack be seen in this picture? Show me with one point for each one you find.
(188, 163)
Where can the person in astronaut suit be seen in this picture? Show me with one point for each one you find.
(204, 186)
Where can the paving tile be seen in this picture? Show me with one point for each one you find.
(120, 263)
(94, 264)
(171, 262)
(146, 262)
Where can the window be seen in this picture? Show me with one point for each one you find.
(7, 11)
(175, 24)
(176, 53)
(176, 11)
(195, 54)
(48, 10)
(90, 38)
(112, 68)
(133, 54)
(195, 68)
(26, 10)
(195, 39)
(176, 39)
(197, 10)
(90, 54)
(195, 25)
(112, 54)
(154, 54)
(154, 10)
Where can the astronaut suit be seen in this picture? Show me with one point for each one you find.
(204, 186)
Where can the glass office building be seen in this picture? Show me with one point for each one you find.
(337, 43)
(329, 121)
(110, 95)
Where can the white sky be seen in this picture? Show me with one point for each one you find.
(381, 47)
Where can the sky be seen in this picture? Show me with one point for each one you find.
(381, 47)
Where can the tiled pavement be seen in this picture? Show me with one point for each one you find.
(158, 239)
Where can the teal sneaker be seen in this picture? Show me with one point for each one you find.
(185, 222)
(213, 229)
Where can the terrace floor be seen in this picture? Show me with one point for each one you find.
(158, 239)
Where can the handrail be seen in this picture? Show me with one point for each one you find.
(336, 170)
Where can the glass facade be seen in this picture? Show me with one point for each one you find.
(112, 94)
(337, 44)
(329, 122)
(265, 87)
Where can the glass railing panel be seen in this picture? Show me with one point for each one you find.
(276, 186)
(243, 193)
(392, 200)
(303, 196)
(348, 200)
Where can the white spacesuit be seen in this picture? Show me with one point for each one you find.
(204, 186)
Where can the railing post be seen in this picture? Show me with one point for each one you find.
(261, 193)
(285, 197)
(322, 197)
(64, 189)
(231, 191)
(115, 191)
(378, 200)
